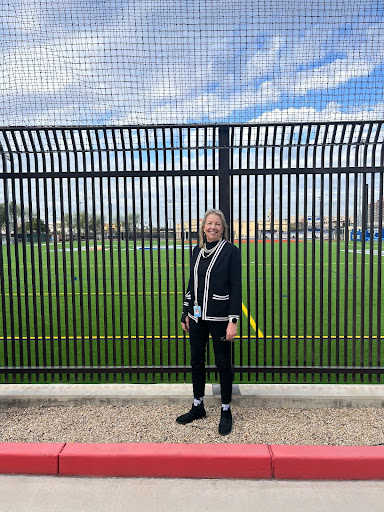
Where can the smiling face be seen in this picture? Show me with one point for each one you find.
(213, 227)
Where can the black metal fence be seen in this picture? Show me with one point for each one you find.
(97, 226)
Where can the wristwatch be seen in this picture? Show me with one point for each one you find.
(233, 320)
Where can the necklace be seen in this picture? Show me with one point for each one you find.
(208, 252)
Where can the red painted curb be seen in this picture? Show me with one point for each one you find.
(167, 460)
(30, 458)
(328, 462)
(195, 460)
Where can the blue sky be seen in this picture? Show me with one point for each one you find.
(174, 61)
(120, 62)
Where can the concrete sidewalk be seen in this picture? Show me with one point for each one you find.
(61, 494)
(253, 395)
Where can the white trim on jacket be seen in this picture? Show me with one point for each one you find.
(206, 284)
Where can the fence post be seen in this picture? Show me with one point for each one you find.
(224, 188)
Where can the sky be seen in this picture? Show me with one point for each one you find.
(156, 62)
(121, 62)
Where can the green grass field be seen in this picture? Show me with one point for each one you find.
(302, 305)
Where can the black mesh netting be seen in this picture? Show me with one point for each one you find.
(120, 62)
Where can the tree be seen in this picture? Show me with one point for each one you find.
(14, 215)
(2, 216)
(36, 224)
(133, 220)
(87, 223)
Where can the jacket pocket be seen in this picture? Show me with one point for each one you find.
(220, 297)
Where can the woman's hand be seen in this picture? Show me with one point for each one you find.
(231, 331)
(185, 325)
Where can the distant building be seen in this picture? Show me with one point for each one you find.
(376, 213)
(252, 230)
(186, 232)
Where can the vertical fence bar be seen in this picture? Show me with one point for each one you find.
(24, 318)
(303, 141)
(272, 234)
(223, 172)
(47, 254)
(111, 231)
(158, 221)
(338, 292)
(47, 266)
(79, 360)
(175, 355)
(265, 346)
(371, 278)
(379, 334)
(119, 341)
(289, 337)
(354, 280)
(160, 287)
(248, 215)
(346, 253)
(257, 303)
(165, 182)
(281, 309)
(105, 316)
(346, 271)
(362, 280)
(366, 359)
(152, 288)
(175, 280)
(329, 280)
(315, 333)
(144, 348)
(331, 352)
(71, 354)
(182, 235)
(86, 359)
(56, 357)
(18, 360)
(297, 273)
(240, 233)
(35, 359)
(321, 279)
(230, 221)
(135, 263)
(379, 248)
(290, 303)
(313, 275)
(338, 273)
(127, 351)
(355, 227)
(96, 225)
(63, 291)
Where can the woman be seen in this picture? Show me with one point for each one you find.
(212, 305)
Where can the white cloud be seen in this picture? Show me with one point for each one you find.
(330, 75)
(331, 112)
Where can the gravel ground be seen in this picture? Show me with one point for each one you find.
(138, 424)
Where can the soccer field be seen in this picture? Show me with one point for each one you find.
(304, 303)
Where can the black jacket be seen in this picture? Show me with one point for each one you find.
(222, 290)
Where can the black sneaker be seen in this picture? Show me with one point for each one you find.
(225, 425)
(196, 412)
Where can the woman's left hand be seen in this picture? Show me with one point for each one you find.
(231, 331)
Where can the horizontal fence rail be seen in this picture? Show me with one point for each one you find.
(98, 224)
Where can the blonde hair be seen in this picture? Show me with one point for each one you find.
(201, 229)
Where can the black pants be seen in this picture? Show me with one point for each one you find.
(199, 335)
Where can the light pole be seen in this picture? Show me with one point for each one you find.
(360, 184)
(169, 214)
